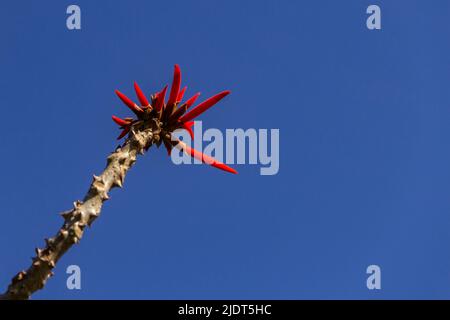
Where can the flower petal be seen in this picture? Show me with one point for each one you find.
(204, 158)
(124, 132)
(181, 94)
(191, 101)
(160, 99)
(202, 107)
(175, 89)
(141, 96)
(188, 127)
(130, 104)
(120, 122)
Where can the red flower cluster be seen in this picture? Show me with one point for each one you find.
(173, 115)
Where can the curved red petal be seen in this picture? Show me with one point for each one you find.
(140, 95)
(224, 167)
(188, 127)
(124, 132)
(204, 158)
(160, 99)
(130, 104)
(192, 100)
(181, 94)
(175, 89)
(205, 105)
(119, 121)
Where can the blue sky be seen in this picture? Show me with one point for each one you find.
(364, 148)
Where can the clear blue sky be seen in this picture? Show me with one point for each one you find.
(364, 119)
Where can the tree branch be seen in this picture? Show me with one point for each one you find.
(25, 283)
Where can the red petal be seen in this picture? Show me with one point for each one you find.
(130, 104)
(188, 127)
(191, 101)
(224, 167)
(181, 94)
(202, 107)
(160, 99)
(120, 121)
(141, 96)
(204, 158)
(175, 89)
(124, 132)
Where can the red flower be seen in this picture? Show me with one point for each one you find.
(172, 115)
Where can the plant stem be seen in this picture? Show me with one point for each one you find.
(25, 283)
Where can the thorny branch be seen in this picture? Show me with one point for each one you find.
(83, 214)
(154, 124)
